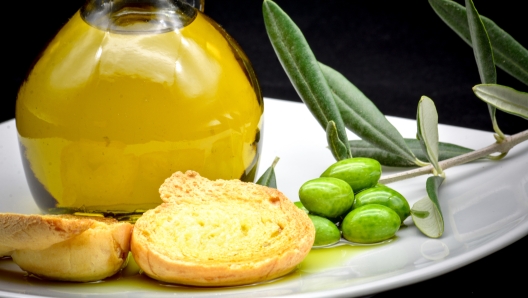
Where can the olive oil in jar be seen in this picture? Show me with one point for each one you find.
(112, 108)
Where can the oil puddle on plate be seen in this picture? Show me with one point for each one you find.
(131, 280)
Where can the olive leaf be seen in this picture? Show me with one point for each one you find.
(361, 148)
(426, 213)
(339, 150)
(362, 117)
(268, 178)
(481, 45)
(509, 54)
(427, 120)
(483, 56)
(504, 98)
(303, 70)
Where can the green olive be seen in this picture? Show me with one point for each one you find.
(326, 196)
(384, 195)
(301, 206)
(335, 220)
(370, 224)
(326, 232)
(359, 172)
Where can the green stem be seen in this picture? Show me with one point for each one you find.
(497, 157)
(275, 161)
(502, 148)
(499, 135)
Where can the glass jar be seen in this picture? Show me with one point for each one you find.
(129, 92)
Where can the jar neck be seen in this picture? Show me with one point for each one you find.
(139, 16)
(199, 4)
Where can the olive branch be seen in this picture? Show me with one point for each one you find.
(339, 105)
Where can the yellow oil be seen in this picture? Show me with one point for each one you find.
(103, 118)
(131, 278)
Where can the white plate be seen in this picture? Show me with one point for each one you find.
(484, 203)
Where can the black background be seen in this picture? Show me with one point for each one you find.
(394, 51)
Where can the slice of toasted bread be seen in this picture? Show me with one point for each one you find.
(65, 247)
(220, 233)
(21, 231)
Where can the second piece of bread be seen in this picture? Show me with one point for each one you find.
(220, 233)
(66, 247)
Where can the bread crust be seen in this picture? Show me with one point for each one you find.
(220, 233)
(34, 231)
(66, 247)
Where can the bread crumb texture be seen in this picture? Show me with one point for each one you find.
(220, 233)
(65, 247)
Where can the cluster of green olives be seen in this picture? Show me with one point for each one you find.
(347, 201)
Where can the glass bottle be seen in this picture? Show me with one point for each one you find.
(129, 92)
